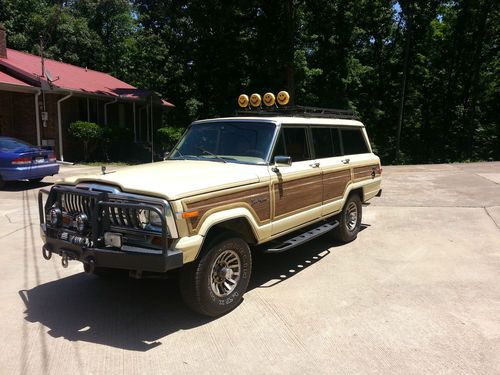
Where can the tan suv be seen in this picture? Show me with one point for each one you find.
(278, 178)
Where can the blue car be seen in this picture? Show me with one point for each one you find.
(21, 161)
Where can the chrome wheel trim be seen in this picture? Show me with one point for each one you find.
(351, 216)
(225, 274)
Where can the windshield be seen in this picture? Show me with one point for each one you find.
(11, 144)
(226, 141)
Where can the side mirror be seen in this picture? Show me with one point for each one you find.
(282, 161)
(165, 155)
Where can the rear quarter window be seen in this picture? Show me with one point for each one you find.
(354, 142)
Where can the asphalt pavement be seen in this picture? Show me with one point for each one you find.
(418, 292)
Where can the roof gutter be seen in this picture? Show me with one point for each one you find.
(59, 124)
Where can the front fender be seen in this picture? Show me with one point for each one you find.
(235, 213)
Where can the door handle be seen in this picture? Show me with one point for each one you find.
(346, 161)
(314, 165)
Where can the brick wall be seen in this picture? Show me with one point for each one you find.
(17, 116)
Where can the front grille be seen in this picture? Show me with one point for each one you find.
(127, 214)
(124, 217)
(113, 214)
(73, 204)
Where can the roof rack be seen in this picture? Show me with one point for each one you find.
(300, 111)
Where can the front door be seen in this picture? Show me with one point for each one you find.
(297, 189)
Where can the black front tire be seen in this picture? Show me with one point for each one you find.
(36, 180)
(2, 183)
(214, 284)
(349, 220)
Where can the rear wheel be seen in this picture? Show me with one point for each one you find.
(36, 180)
(214, 284)
(2, 182)
(349, 220)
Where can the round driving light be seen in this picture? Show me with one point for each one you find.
(269, 99)
(243, 101)
(55, 217)
(255, 100)
(283, 98)
(82, 223)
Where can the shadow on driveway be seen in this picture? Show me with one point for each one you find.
(24, 185)
(135, 314)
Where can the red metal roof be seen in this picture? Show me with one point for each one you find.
(71, 77)
(5, 78)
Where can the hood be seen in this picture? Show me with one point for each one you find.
(175, 179)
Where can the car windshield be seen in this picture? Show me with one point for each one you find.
(227, 141)
(11, 144)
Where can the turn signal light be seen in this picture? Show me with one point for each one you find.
(190, 214)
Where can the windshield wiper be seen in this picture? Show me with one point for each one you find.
(206, 152)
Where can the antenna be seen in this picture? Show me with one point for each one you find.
(41, 56)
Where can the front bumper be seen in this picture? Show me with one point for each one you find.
(91, 248)
(111, 258)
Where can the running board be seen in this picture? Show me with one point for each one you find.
(303, 237)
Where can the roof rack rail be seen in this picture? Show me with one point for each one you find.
(300, 111)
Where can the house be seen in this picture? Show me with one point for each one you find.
(39, 98)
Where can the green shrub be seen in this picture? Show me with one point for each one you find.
(85, 132)
(169, 136)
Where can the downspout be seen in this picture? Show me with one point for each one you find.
(135, 126)
(37, 116)
(106, 110)
(88, 109)
(59, 123)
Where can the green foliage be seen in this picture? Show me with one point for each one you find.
(169, 136)
(332, 53)
(86, 132)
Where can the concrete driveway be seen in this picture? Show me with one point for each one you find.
(417, 293)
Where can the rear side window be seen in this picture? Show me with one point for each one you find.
(353, 141)
(293, 142)
(326, 142)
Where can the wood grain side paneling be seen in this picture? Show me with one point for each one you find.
(335, 183)
(290, 196)
(365, 172)
(257, 200)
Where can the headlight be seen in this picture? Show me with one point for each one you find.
(147, 217)
(154, 219)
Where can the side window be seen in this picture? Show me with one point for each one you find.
(353, 141)
(293, 142)
(326, 142)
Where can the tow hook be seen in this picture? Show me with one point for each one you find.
(46, 253)
(89, 265)
(64, 260)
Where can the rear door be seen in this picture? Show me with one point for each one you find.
(297, 189)
(336, 172)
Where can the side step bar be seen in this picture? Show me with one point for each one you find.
(303, 237)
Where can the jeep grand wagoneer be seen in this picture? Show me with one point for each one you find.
(273, 178)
